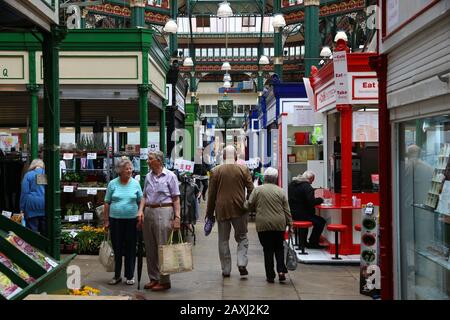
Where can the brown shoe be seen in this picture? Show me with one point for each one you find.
(161, 287)
(151, 284)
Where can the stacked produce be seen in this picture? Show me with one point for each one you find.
(14, 267)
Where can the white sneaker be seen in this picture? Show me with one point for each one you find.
(130, 282)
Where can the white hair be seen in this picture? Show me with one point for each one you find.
(308, 175)
(229, 154)
(122, 163)
(36, 163)
(271, 175)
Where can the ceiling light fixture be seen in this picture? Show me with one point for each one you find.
(264, 60)
(188, 62)
(278, 21)
(171, 26)
(224, 10)
(325, 52)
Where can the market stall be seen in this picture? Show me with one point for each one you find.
(345, 91)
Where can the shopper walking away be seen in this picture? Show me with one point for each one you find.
(273, 215)
(161, 215)
(302, 202)
(226, 199)
(32, 197)
(122, 218)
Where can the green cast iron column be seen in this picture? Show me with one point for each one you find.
(189, 127)
(77, 132)
(312, 35)
(50, 50)
(143, 116)
(278, 43)
(84, 13)
(33, 88)
(260, 72)
(137, 13)
(162, 129)
(173, 41)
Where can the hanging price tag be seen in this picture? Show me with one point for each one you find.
(92, 191)
(68, 189)
(73, 234)
(143, 153)
(68, 156)
(7, 214)
(92, 156)
(88, 216)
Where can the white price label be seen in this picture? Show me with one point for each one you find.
(143, 154)
(92, 191)
(51, 262)
(88, 216)
(7, 214)
(92, 156)
(74, 218)
(73, 234)
(68, 156)
(68, 189)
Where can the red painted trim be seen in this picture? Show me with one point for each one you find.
(353, 87)
(387, 36)
(385, 172)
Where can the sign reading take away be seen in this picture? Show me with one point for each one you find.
(341, 77)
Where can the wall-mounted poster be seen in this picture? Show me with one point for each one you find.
(7, 142)
(365, 126)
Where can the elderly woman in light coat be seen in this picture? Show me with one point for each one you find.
(121, 216)
(273, 215)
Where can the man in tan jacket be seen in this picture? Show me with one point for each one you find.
(226, 197)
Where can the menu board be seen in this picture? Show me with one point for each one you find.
(365, 126)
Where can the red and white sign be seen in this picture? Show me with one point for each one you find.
(365, 88)
(326, 97)
(340, 77)
(184, 165)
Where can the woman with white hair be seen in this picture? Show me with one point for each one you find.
(273, 215)
(120, 213)
(32, 197)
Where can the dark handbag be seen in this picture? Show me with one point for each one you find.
(291, 256)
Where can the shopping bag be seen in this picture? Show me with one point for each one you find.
(291, 256)
(106, 254)
(175, 257)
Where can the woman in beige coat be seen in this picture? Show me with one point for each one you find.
(273, 215)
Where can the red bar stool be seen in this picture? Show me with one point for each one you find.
(302, 225)
(358, 227)
(336, 228)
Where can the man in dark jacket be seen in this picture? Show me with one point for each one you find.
(302, 202)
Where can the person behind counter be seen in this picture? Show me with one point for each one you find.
(302, 202)
(32, 197)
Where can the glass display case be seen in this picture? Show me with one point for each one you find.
(424, 208)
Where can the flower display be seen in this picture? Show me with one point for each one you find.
(84, 291)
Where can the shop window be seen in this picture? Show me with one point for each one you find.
(203, 22)
(223, 52)
(249, 21)
(423, 204)
(216, 52)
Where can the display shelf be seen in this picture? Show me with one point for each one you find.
(427, 208)
(297, 163)
(436, 259)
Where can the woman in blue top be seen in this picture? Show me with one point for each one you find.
(121, 218)
(32, 197)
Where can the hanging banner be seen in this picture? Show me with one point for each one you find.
(340, 77)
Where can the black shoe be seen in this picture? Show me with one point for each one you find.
(243, 271)
(115, 281)
(314, 246)
(225, 275)
(270, 280)
(281, 277)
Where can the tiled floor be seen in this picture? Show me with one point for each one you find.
(309, 281)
